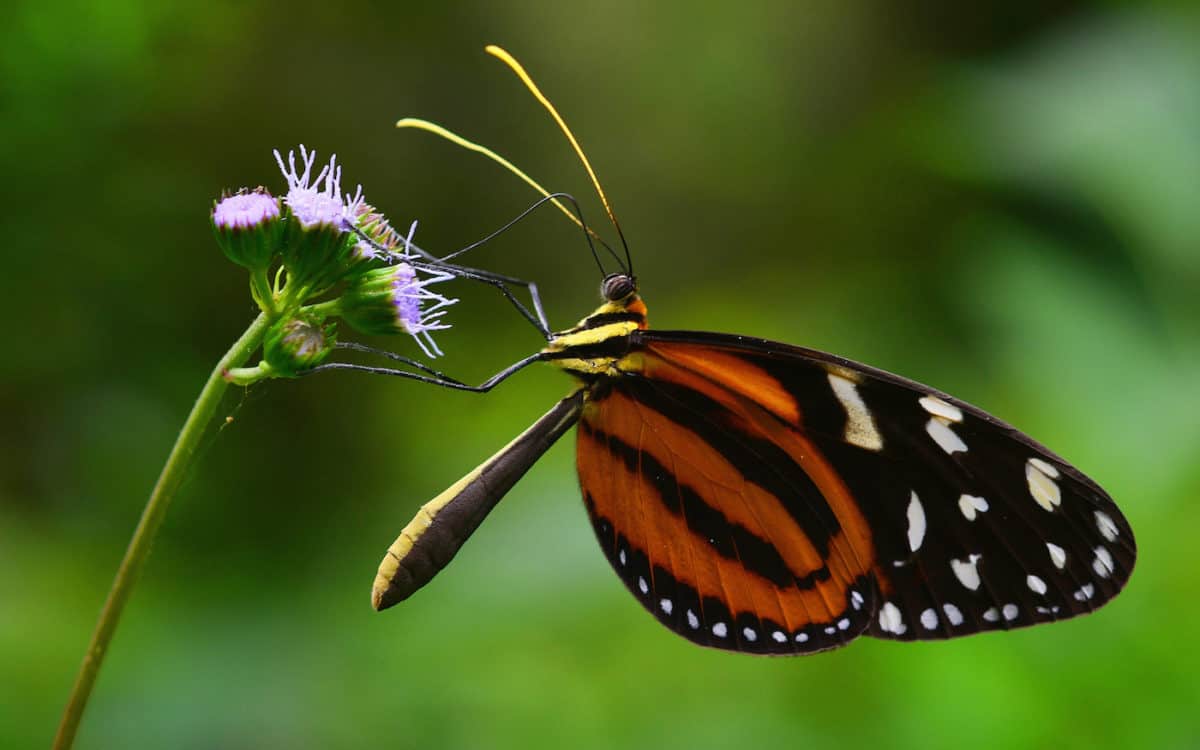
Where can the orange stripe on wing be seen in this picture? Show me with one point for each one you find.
(729, 370)
(853, 549)
(631, 459)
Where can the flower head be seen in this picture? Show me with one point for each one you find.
(398, 300)
(377, 239)
(311, 203)
(319, 242)
(248, 227)
(245, 210)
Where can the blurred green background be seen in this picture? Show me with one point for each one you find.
(999, 199)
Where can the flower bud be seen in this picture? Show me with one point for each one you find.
(248, 227)
(383, 239)
(295, 344)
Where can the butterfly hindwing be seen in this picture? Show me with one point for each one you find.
(726, 476)
(720, 518)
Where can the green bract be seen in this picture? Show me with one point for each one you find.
(295, 344)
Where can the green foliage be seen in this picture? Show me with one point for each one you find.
(998, 200)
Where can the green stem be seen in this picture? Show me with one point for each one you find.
(169, 480)
(326, 309)
(260, 289)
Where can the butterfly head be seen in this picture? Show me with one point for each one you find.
(618, 286)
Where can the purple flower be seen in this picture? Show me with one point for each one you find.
(381, 240)
(248, 228)
(419, 310)
(353, 206)
(245, 210)
(311, 202)
(397, 299)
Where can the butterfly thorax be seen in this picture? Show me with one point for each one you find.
(599, 344)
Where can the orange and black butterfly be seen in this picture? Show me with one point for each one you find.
(761, 497)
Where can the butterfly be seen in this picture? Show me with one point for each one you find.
(760, 497)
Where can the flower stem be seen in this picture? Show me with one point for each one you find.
(326, 309)
(260, 289)
(169, 480)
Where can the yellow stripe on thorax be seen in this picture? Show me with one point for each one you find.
(593, 335)
(581, 336)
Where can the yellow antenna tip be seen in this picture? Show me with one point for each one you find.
(526, 79)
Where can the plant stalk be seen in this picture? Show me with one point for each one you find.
(169, 481)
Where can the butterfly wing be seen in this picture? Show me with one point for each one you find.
(784, 500)
(721, 518)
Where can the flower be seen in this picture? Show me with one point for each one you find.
(319, 242)
(397, 300)
(248, 227)
(377, 239)
(311, 204)
(245, 210)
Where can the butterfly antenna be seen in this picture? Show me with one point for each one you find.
(458, 140)
(517, 68)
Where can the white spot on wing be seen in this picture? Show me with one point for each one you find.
(1107, 526)
(1058, 555)
(1103, 563)
(801, 637)
(1036, 585)
(953, 614)
(666, 606)
(929, 619)
(992, 615)
(749, 634)
(860, 425)
(970, 505)
(1047, 469)
(1009, 612)
(967, 572)
(830, 630)
(621, 556)
(890, 620)
(939, 408)
(693, 621)
(856, 600)
(916, 522)
(643, 586)
(1085, 592)
(719, 630)
(779, 636)
(939, 430)
(844, 623)
(1041, 483)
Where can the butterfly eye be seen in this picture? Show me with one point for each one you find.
(617, 286)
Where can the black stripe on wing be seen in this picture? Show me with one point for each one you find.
(976, 525)
(666, 534)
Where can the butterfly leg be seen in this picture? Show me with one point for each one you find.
(428, 374)
(536, 318)
(352, 346)
(433, 263)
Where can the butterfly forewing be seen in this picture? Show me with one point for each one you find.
(767, 498)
